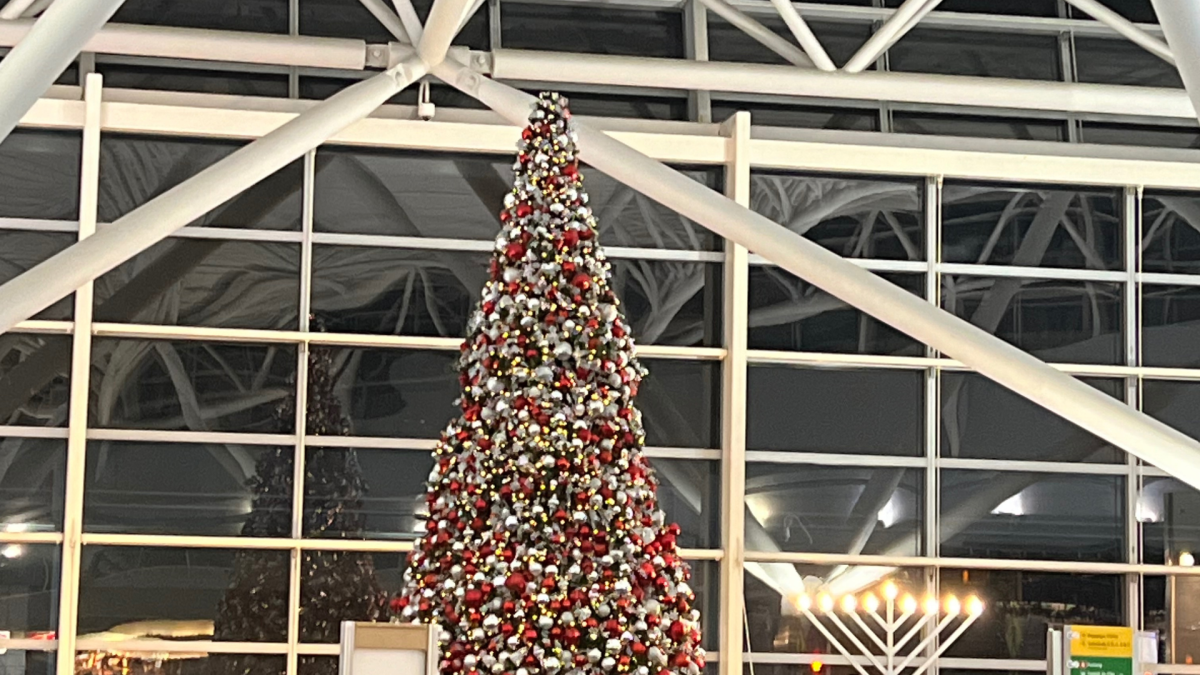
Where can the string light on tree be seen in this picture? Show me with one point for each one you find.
(544, 550)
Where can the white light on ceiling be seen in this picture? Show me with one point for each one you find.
(1013, 506)
(12, 551)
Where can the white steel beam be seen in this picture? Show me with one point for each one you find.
(384, 15)
(892, 30)
(212, 45)
(1137, 433)
(804, 35)
(1180, 21)
(57, 277)
(440, 29)
(49, 47)
(1125, 27)
(750, 78)
(408, 17)
(15, 8)
(765, 36)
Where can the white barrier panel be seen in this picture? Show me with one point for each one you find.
(387, 649)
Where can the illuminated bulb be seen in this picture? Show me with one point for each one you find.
(825, 602)
(12, 551)
(890, 591)
(974, 606)
(908, 604)
(953, 606)
(1186, 559)
(849, 604)
(931, 606)
(870, 603)
(804, 602)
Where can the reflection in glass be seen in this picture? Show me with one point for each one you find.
(1169, 512)
(1170, 233)
(391, 500)
(205, 282)
(834, 509)
(195, 386)
(1170, 324)
(774, 622)
(820, 410)
(729, 43)
(853, 217)
(29, 594)
(261, 16)
(1002, 514)
(125, 76)
(32, 485)
(681, 403)
(978, 53)
(1174, 403)
(983, 420)
(180, 663)
(1031, 226)
(978, 127)
(1021, 604)
(20, 251)
(136, 169)
(804, 117)
(1117, 61)
(433, 292)
(689, 492)
(125, 584)
(1058, 321)
(39, 175)
(177, 488)
(30, 662)
(593, 30)
(1170, 606)
(414, 194)
(34, 375)
(787, 313)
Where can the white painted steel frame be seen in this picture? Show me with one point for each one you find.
(1063, 172)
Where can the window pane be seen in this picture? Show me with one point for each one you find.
(1031, 227)
(365, 493)
(333, 18)
(262, 16)
(1020, 7)
(39, 175)
(1057, 321)
(433, 292)
(188, 489)
(399, 393)
(123, 76)
(821, 410)
(205, 282)
(789, 314)
(981, 53)
(1169, 512)
(29, 594)
(136, 169)
(680, 402)
(29, 662)
(593, 104)
(689, 492)
(834, 509)
(776, 625)
(728, 43)
(34, 385)
(243, 591)
(1170, 316)
(1001, 514)
(337, 586)
(983, 420)
(191, 386)
(1128, 134)
(1117, 61)
(1170, 607)
(32, 484)
(592, 30)
(1174, 403)
(90, 663)
(853, 217)
(1021, 604)
(804, 117)
(978, 127)
(21, 250)
(1170, 239)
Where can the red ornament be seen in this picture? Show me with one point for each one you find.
(515, 583)
(524, 210)
(473, 597)
(515, 250)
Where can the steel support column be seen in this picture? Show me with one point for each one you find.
(1062, 394)
(441, 27)
(49, 47)
(1180, 22)
(57, 277)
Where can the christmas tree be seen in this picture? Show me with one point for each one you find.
(334, 586)
(544, 550)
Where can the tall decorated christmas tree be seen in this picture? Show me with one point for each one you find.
(544, 549)
(334, 585)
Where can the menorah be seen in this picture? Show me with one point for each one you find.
(882, 629)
